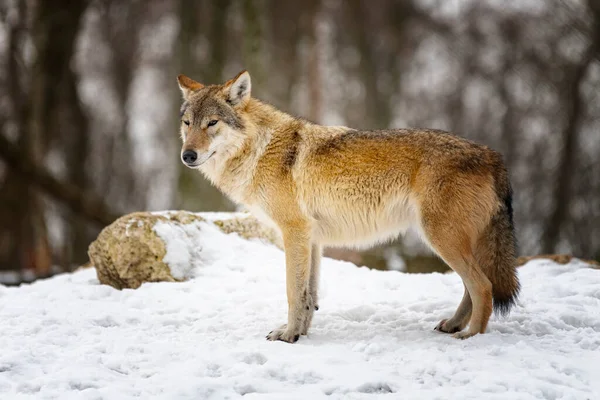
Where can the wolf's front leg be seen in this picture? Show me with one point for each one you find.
(300, 302)
(313, 283)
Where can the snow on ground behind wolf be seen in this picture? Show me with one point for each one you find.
(70, 337)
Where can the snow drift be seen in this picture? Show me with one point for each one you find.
(70, 337)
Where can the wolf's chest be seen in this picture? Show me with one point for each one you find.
(262, 216)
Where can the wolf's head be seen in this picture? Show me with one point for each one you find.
(211, 118)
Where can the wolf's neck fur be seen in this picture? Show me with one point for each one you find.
(233, 171)
(261, 117)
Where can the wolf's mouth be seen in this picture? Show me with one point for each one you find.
(209, 157)
(199, 164)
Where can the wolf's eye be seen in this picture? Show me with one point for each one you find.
(187, 123)
(213, 122)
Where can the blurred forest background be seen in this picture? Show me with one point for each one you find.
(89, 104)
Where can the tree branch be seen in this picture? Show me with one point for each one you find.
(85, 204)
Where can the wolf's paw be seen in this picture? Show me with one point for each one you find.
(464, 335)
(282, 333)
(446, 327)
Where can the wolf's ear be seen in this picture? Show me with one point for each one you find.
(188, 86)
(238, 89)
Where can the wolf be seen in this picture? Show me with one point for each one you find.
(337, 186)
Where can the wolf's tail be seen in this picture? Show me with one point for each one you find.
(496, 249)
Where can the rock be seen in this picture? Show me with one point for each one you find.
(249, 228)
(131, 250)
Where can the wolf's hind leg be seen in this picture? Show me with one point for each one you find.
(454, 247)
(479, 288)
(461, 317)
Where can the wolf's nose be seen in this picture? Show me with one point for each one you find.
(189, 156)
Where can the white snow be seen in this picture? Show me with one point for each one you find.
(183, 247)
(71, 338)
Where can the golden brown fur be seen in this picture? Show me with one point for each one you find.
(335, 186)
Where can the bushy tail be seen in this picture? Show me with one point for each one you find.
(496, 251)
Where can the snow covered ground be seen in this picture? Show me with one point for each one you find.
(71, 338)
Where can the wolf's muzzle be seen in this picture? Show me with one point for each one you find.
(189, 157)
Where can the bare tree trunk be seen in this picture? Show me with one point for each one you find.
(218, 48)
(77, 129)
(285, 31)
(195, 193)
(57, 113)
(377, 106)
(562, 192)
(14, 191)
(26, 228)
(315, 97)
(121, 25)
(252, 41)
(55, 26)
(509, 129)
